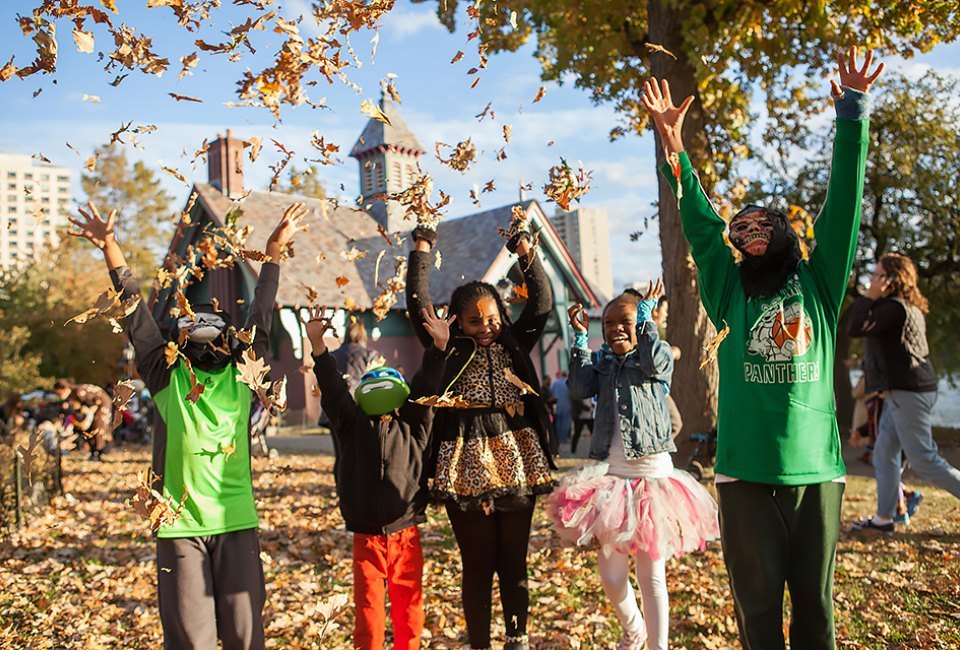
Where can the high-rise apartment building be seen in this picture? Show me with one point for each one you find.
(35, 201)
(587, 236)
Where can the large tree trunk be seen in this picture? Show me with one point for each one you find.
(842, 389)
(694, 390)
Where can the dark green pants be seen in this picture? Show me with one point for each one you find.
(775, 535)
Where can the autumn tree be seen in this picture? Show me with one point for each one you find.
(911, 203)
(144, 223)
(722, 52)
(40, 298)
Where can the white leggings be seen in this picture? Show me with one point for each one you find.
(652, 580)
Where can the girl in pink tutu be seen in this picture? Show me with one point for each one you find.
(632, 501)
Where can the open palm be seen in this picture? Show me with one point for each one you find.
(93, 227)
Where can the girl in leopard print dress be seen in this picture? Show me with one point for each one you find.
(492, 451)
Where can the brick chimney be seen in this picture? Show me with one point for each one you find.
(225, 164)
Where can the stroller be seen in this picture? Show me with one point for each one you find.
(702, 455)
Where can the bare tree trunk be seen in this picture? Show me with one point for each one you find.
(842, 389)
(694, 390)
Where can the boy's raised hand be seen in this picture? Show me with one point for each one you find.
(579, 320)
(318, 325)
(437, 327)
(667, 118)
(850, 76)
(655, 290)
(94, 228)
(288, 226)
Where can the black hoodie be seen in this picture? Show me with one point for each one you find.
(379, 470)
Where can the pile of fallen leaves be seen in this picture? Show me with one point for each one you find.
(82, 575)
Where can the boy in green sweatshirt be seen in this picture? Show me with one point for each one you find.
(780, 475)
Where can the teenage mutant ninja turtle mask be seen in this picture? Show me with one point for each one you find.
(381, 391)
(207, 345)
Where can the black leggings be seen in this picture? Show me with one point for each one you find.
(579, 426)
(488, 544)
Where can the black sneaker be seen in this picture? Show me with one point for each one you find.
(867, 524)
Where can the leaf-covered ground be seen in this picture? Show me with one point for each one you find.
(81, 575)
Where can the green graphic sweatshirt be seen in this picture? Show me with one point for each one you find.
(202, 448)
(776, 420)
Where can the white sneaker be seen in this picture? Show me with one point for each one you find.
(633, 640)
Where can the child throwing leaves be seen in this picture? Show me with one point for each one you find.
(209, 578)
(779, 472)
(491, 452)
(382, 441)
(632, 501)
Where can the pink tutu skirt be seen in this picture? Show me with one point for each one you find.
(661, 517)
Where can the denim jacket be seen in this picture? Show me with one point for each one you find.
(632, 387)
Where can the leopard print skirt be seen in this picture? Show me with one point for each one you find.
(492, 460)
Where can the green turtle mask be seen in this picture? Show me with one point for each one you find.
(381, 390)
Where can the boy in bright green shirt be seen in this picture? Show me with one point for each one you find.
(780, 475)
(210, 578)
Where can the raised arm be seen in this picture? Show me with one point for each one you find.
(583, 382)
(529, 325)
(140, 327)
(335, 397)
(655, 356)
(702, 226)
(418, 282)
(265, 294)
(429, 378)
(838, 223)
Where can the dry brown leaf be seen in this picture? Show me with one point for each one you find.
(373, 111)
(712, 346)
(653, 47)
(447, 400)
(540, 93)
(342, 281)
(524, 387)
(184, 98)
(83, 40)
(565, 185)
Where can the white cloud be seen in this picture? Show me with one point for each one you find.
(404, 24)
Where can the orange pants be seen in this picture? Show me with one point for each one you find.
(383, 563)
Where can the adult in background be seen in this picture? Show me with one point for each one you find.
(890, 317)
(94, 417)
(564, 407)
(354, 358)
(582, 421)
(779, 472)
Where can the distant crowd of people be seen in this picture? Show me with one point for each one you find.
(77, 417)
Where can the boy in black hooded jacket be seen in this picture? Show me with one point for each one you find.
(382, 441)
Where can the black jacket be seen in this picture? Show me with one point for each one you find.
(519, 339)
(380, 460)
(897, 355)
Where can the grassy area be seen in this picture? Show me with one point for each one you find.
(81, 575)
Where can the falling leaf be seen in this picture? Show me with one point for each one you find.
(122, 392)
(93, 99)
(463, 155)
(105, 301)
(438, 260)
(540, 93)
(84, 40)
(353, 254)
(710, 349)
(525, 388)
(252, 371)
(370, 109)
(447, 400)
(40, 157)
(519, 293)
(653, 47)
(176, 174)
(564, 185)
(185, 98)
(246, 336)
(255, 145)
(392, 91)
(342, 281)
(674, 161)
(513, 19)
(507, 130)
(170, 353)
(152, 505)
(188, 62)
(456, 57)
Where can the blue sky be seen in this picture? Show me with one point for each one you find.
(438, 104)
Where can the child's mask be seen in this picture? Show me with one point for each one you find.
(381, 391)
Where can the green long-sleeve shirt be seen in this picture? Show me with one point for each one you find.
(776, 420)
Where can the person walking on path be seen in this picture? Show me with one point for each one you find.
(890, 317)
(779, 472)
